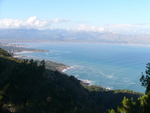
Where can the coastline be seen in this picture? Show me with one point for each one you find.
(49, 64)
(63, 69)
(52, 65)
(18, 49)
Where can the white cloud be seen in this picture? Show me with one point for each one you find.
(117, 28)
(127, 28)
(58, 20)
(9, 23)
(36, 23)
(30, 23)
(84, 27)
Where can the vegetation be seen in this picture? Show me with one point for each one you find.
(145, 80)
(142, 105)
(111, 98)
(5, 53)
(26, 86)
(55, 66)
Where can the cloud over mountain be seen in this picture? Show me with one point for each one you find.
(36, 23)
(117, 28)
(30, 23)
(84, 27)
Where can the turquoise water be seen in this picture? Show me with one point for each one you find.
(109, 65)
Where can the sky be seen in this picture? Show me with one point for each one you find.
(90, 15)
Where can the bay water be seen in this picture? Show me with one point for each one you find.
(113, 66)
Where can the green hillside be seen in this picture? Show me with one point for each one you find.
(27, 87)
(5, 53)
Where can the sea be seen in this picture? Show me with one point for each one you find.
(114, 66)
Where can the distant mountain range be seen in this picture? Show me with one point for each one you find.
(30, 35)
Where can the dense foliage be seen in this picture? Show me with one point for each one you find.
(142, 105)
(4, 53)
(111, 98)
(145, 80)
(27, 87)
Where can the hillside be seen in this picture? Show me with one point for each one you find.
(27, 87)
(13, 49)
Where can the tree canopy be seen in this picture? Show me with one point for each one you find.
(145, 79)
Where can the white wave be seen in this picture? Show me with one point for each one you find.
(76, 76)
(74, 67)
(128, 81)
(108, 76)
(86, 81)
(109, 88)
(66, 69)
(23, 52)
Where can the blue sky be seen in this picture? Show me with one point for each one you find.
(109, 15)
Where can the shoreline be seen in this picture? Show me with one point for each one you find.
(18, 49)
(94, 42)
(55, 66)
(62, 69)
(49, 64)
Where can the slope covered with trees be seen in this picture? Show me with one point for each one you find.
(27, 87)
